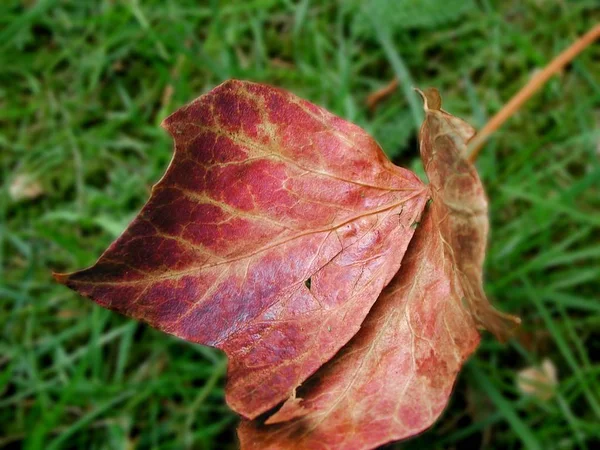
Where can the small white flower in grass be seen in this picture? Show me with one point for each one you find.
(25, 187)
(538, 381)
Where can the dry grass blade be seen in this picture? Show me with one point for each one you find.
(380, 94)
(476, 144)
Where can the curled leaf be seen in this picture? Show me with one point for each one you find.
(458, 195)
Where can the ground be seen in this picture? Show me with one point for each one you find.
(84, 86)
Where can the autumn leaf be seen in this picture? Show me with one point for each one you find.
(271, 235)
(462, 210)
(394, 378)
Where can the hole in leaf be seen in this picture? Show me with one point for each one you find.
(308, 283)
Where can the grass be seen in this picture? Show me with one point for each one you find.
(84, 85)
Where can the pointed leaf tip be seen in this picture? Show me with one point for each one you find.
(432, 100)
(60, 277)
(501, 325)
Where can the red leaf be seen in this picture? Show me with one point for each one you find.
(394, 378)
(272, 233)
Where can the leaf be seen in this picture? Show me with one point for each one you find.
(394, 378)
(271, 235)
(462, 209)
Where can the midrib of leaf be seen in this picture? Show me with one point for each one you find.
(175, 274)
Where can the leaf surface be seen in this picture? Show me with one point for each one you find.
(395, 376)
(462, 207)
(271, 235)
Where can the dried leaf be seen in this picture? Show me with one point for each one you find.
(274, 230)
(394, 378)
(458, 193)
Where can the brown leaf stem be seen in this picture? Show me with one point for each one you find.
(536, 82)
(377, 96)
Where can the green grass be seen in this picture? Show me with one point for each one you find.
(83, 87)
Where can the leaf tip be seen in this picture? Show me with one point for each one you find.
(166, 125)
(61, 278)
(500, 324)
(292, 409)
(432, 100)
